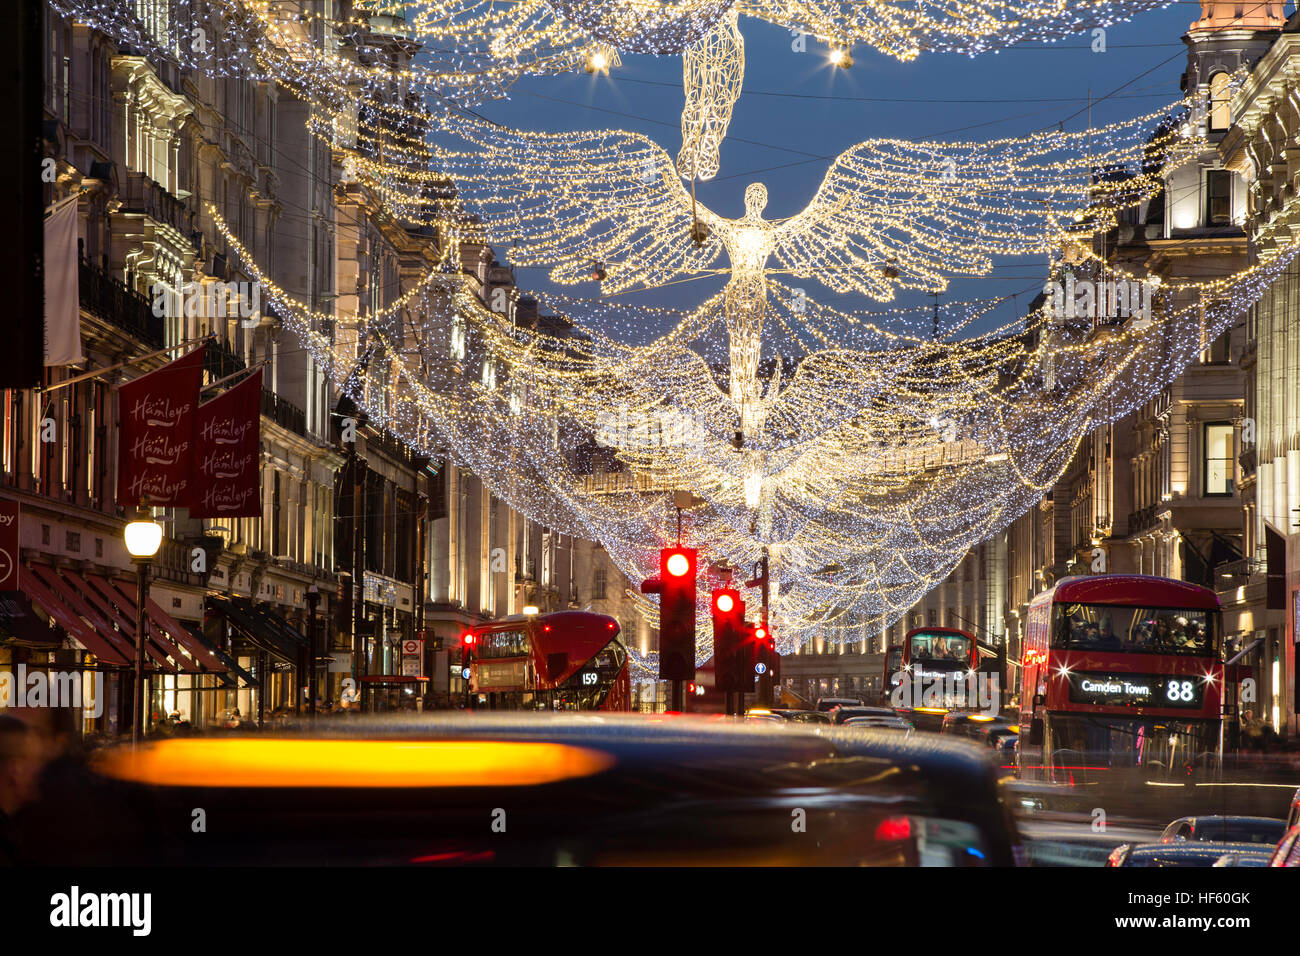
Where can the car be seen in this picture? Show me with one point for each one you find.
(1293, 816)
(1244, 858)
(845, 711)
(566, 789)
(1190, 853)
(968, 724)
(787, 713)
(1221, 829)
(995, 733)
(825, 704)
(802, 716)
(881, 723)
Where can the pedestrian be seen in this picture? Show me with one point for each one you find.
(1251, 730)
(20, 766)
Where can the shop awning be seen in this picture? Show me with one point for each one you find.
(70, 591)
(232, 666)
(20, 622)
(115, 615)
(260, 629)
(176, 636)
(44, 597)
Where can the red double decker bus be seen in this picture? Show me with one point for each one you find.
(941, 649)
(933, 673)
(567, 660)
(1121, 672)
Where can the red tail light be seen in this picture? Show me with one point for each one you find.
(894, 828)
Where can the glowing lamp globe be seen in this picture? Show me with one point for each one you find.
(143, 537)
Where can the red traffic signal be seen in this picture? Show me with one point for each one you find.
(675, 585)
(728, 639)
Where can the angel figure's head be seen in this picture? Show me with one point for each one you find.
(755, 200)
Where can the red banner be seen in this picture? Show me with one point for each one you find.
(229, 462)
(159, 434)
(9, 515)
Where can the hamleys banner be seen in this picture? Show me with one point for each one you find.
(159, 434)
(228, 461)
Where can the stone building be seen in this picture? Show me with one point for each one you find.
(1260, 145)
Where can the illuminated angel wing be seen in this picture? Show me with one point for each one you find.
(547, 32)
(576, 202)
(892, 213)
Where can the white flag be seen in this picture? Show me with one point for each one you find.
(62, 297)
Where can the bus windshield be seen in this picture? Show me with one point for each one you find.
(1135, 630)
(940, 648)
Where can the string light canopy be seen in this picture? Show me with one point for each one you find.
(543, 32)
(860, 452)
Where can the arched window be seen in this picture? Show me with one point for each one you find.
(1220, 102)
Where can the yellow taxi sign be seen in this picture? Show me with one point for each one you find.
(290, 762)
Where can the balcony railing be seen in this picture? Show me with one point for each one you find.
(1141, 520)
(140, 194)
(111, 300)
(284, 413)
(219, 361)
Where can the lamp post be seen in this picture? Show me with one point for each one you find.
(313, 601)
(143, 538)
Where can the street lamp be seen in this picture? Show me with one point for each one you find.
(313, 601)
(143, 538)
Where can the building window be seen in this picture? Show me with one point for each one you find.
(1217, 458)
(598, 585)
(1220, 102)
(1218, 197)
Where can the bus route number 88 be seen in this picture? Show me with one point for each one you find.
(1183, 691)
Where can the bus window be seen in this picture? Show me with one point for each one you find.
(1113, 628)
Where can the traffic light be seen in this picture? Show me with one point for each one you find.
(675, 585)
(728, 639)
(468, 641)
